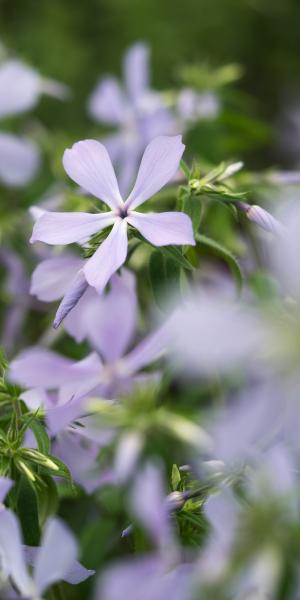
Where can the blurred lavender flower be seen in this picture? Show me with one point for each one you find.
(89, 165)
(17, 287)
(54, 561)
(109, 370)
(138, 112)
(211, 332)
(192, 106)
(146, 578)
(20, 89)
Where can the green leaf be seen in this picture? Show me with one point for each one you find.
(164, 275)
(47, 498)
(27, 510)
(41, 436)
(185, 169)
(170, 252)
(191, 205)
(175, 478)
(225, 254)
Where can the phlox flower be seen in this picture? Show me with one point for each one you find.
(53, 561)
(89, 165)
(20, 88)
(110, 369)
(137, 112)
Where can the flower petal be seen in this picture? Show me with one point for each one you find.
(89, 165)
(52, 277)
(20, 88)
(12, 553)
(38, 367)
(109, 257)
(112, 318)
(56, 556)
(147, 351)
(163, 229)
(67, 228)
(19, 160)
(159, 163)
(136, 70)
(107, 103)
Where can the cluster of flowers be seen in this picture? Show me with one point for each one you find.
(237, 500)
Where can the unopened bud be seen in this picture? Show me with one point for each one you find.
(231, 170)
(69, 301)
(262, 218)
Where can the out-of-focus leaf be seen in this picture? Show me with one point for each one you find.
(164, 275)
(225, 254)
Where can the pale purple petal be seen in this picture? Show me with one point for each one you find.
(127, 454)
(136, 70)
(147, 500)
(52, 277)
(80, 456)
(163, 229)
(81, 320)
(84, 376)
(108, 103)
(109, 257)
(56, 556)
(67, 228)
(89, 165)
(145, 579)
(20, 88)
(12, 553)
(76, 574)
(35, 398)
(112, 318)
(5, 485)
(59, 417)
(159, 163)
(38, 367)
(19, 160)
(77, 288)
(147, 351)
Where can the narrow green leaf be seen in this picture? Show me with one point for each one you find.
(164, 276)
(27, 510)
(175, 478)
(41, 436)
(225, 254)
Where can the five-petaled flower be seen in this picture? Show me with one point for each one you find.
(89, 165)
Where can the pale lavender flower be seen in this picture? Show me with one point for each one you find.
(20, 89)
(146, 578)
(88, 164)
(138, 113)
(17, 286)
(193, 106)
(54, 561)
(212, 332)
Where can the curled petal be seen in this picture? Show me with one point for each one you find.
(67, 228)
(163, 229)
(159, 163)
(89, 165)
(109, 257)
(73, 295)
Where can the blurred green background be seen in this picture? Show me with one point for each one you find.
(77, 41)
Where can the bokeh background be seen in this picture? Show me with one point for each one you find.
(77, 42)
